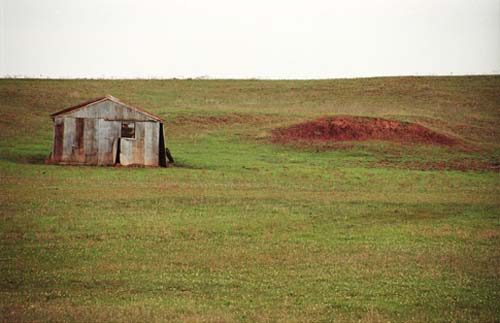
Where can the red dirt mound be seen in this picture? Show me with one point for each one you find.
(350, 128)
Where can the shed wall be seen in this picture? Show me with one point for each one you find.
(92, 141)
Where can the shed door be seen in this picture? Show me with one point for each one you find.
(125, 151)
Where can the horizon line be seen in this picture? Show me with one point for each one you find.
(201, 78)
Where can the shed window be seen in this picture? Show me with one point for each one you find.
(128, 130)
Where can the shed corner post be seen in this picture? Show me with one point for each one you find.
(161, 147)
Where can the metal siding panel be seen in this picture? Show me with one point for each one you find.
(69, 137)
(138, 150)
(147, 142)
(90, 141)
(102, 143)
(118, 111)
(58, 146)
(151, 144)
(154, 148)
(89, 112)
(115, 134)
(112, 111)
(108, 133)
(109, 110)
(78, 144)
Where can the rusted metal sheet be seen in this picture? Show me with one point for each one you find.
(57, 149)
(78, 145)
(90, 141)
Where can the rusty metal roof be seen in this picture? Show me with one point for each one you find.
(99, 99)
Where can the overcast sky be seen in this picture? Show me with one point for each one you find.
(248, 39)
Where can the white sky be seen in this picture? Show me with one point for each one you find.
(248, 39)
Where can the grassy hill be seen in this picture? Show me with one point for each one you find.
(244, 229)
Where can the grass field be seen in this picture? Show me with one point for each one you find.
(244, 230)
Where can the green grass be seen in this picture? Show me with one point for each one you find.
(243, 230)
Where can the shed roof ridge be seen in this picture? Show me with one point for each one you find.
(102, 98)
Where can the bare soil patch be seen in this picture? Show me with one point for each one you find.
(352, 128)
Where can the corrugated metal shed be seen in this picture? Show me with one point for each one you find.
(107, 131)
